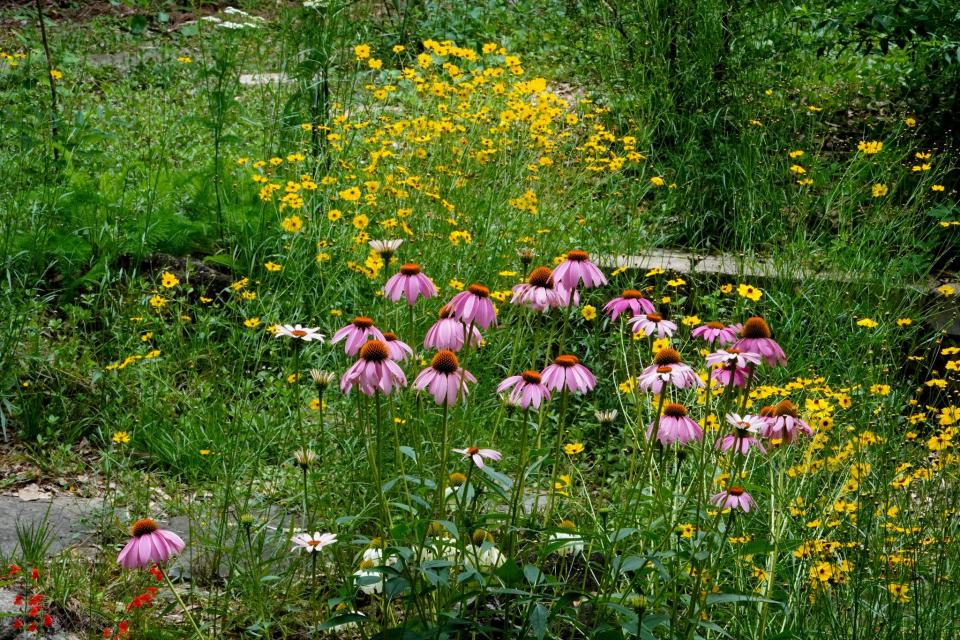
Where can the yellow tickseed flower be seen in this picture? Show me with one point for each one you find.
(184, 59)
(879, 190)
(589, 312)
(946, 290)
(676, 282)
(900, 593)
(168, 280)
(690, 321)
(937, 187)
(573, 448)
(796, 154)
(750, 292)
(904, 322)
(910, 122)
(272, 266)
(362, 51)
(251, 323)
(869, 323)
(121, 437)
(158, 302)
(56, 75)
(657, 181)
(293, 224)
(870, 148)
(351, 195)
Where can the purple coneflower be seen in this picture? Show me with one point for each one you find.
(374, 371)
(478, 455)
(576, 269)
(734, 498)
(715, 332)
(538, 292)
(444, 379)
(566, 372)
(785, 423)
(149, 545)
(528, 389)
(399, 350)
(386, 248)
(742, 438)
(449, 333)
(311, 543)
(631, 300)
(652, 324)
(668, 369)
(474, 307)
(409, 283)
(356, 334)
(298, 332)
(755, 337)
(733, 364)
(675, 426)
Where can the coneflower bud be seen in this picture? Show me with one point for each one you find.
(606, 418)
(526, 255)
(322, 379)
(304, 458)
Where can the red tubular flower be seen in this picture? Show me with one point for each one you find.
(35, 599)
(34, 611)
(18, 600)
(34, 574)
(14, 570)
(107, 632)
(47, 620)
(155, 570)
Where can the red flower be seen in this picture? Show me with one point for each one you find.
(36, 599)
(18, 624)
(18, 600)
(155, 570)
(47, 620)
(124, 628)
(14, 570)
(34, 574)
(107, 632)
(32, 627)
(34, 611)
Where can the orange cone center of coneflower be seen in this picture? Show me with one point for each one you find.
(713, 324)
(541, 277)
(143, 526)
(531, 376)
(566, 361)
(445, 361)
(445, 312)
(389, 336)
(664, 369)
(362, 322)
(755, 327)
(785, 408)
(374, 351)
(577, 255)
(632, 294)
(298, 333)
(768, 411)
(313, 543)
(479, 290)
(666, 356)
(675, 410)
(410, 269)
(473, 450)
(654, 317)
(734, 350)
(736, 491)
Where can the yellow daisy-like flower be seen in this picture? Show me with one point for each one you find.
(657, 181)
(750, 292)
(158, 302)
(573, 448)
(946, 290)
(589, 312)
(251, 323)
(273, 266)
(362, 51)
(904, 322)
(869, 323)
(351, 195)
(879, 190)
(293, 224)
(727, 288)
(168, 280)
(121, 437)
(870, 148)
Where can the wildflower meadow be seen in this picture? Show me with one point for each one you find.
(503, 319)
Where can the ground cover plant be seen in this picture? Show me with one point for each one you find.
(354, 320)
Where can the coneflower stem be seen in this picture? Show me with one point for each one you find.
(442, 480)
(518, 485)
(186, 611)
(564, 400)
